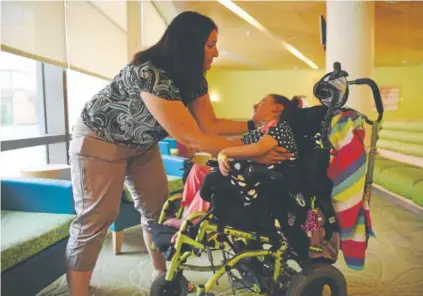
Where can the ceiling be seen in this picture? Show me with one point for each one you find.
(398, 33)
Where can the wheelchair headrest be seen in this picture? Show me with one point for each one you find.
(332, 90)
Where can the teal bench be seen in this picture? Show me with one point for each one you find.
(35, 219)
(399, 162)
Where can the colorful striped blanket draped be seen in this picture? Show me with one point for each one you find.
(348, 172)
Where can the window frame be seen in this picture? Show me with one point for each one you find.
(53, 113)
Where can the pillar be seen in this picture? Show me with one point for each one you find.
(350, 41)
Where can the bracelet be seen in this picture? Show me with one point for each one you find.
(222, 156)
(251, 125)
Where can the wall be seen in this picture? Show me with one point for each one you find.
(153, 25)
(410, 82)
(237, 91)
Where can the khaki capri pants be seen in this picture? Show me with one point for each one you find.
(99, 169)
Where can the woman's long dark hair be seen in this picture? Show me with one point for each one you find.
(180, 51)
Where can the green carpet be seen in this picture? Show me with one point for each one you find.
(394, 264)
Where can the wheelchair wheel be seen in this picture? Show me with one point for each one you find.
(177, 287)
(312, 280)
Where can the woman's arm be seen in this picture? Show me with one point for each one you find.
(180, 124)
(202, 111)
(250, 151)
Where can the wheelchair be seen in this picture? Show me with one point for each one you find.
(253, 260)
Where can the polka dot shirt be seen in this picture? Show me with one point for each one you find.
(249, 186)
(281, 132)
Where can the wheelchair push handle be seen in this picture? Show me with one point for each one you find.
(376, 94)
(337, 72)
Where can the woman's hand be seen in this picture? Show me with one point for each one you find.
(224, 166)
(276, 155)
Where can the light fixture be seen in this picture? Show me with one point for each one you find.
(252, 21)
(214, 97)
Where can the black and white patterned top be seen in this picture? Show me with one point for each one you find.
(118, 114)
(247, 184)
(281, 132)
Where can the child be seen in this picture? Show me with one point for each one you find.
(270, 108)
(257, 143)
(276, 130)
(263, 202)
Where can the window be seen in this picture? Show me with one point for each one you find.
(12, 161)
(6, 109)
(81, 88)
(31, 112)
(21, 105)
(21, 112)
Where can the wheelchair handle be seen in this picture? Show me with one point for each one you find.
(376, 94)
(337, 72)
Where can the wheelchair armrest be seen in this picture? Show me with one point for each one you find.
(175, 197)
(171, 208)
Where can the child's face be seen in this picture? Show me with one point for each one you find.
(267, 109)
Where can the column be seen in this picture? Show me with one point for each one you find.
(350, 41)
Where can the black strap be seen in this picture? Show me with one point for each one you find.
(251, 125)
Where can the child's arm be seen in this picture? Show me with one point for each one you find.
(265, 145)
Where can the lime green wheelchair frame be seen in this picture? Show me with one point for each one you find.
(179, 258)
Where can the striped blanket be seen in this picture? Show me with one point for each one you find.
(348, 171)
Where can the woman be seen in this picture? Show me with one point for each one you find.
(162, 91)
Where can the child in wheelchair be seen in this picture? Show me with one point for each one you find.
(290, 192)
(247, 198)
(250, 197)
(276, 132)
(246, 194)
(263, 188)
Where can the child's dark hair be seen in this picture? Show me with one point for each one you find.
(296, 100)
(291, 112)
